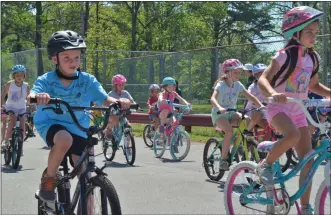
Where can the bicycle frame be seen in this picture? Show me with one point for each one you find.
(118, 130)
(172, 131)
(237, 138)
(323, 152)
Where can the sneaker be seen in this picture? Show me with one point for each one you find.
(4, 145)
(307, 210)
(46, 189)
(224, 165)
(265, 174)
(176, 148)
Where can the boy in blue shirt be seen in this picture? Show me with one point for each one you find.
(78, 89)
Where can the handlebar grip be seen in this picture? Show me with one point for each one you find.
(134, 106)
(33, 100)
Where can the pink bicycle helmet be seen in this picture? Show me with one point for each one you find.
(231, 64)
(118, 79)
(298, 18)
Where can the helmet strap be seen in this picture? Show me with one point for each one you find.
(60, 74)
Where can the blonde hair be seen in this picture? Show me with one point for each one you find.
(223, 76)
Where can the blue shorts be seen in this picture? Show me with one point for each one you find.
(151, 116)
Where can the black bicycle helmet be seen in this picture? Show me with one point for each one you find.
(64, 40)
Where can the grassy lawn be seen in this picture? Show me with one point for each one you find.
(199, 134)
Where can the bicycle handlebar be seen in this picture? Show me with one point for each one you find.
(112, 109)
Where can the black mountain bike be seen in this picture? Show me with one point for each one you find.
(85, 191)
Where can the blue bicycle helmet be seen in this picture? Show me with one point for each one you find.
(18, 68)
(168, 80)
(259, 67)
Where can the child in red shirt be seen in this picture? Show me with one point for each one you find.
(154, 90)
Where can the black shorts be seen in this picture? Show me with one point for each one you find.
(78, 143)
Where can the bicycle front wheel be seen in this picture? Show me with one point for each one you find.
(322, 200)
(235, 190)
(159, 148)
(102, 197)
(17, 145)
(129, 149)
(180, 145)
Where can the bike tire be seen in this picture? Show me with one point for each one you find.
(146, 131)
(106, 148)
(17, 145)
(108, 192)
(180, 134)
(207, 162)
(133, 150)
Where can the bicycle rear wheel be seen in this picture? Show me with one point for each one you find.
(159, 148)
(101, 197)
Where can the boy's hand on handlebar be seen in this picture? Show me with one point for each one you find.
(279, 98)
(42, 98)
(125, 103)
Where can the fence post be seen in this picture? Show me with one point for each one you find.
(40, 69)
(161, 73)
(190, 77)
(104, 69)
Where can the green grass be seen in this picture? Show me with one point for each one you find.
(198, 134)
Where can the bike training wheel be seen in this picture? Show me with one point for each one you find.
(233, 190)
(109, 148)
(180, 145)
(148, 135)
(60, 191)
(159, 149)
(101, 197)
(322, 200)
(129, 148)
(17, 144)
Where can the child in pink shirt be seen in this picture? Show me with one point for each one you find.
(293, 70)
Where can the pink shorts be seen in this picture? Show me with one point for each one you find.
(293, 111)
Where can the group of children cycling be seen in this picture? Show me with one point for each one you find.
(291, 73)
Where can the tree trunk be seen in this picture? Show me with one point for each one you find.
(96, 66)
(40, 69)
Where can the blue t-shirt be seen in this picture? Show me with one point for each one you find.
(79, 93)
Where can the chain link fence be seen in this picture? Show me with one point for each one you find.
(195, 70)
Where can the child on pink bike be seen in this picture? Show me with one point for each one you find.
(166, 108)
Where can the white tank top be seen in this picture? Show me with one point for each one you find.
(17, 96)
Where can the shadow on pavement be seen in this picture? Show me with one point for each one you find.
(9, 169)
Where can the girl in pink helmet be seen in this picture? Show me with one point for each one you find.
(118, 92)
(292, 71)
(224, 101)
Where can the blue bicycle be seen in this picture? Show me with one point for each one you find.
(174, 137)
(257, 198)
(121, 131)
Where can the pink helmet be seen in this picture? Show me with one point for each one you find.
(118, 79)
(298, 18)
(231, 64)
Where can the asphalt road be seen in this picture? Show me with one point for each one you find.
(152, 186)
